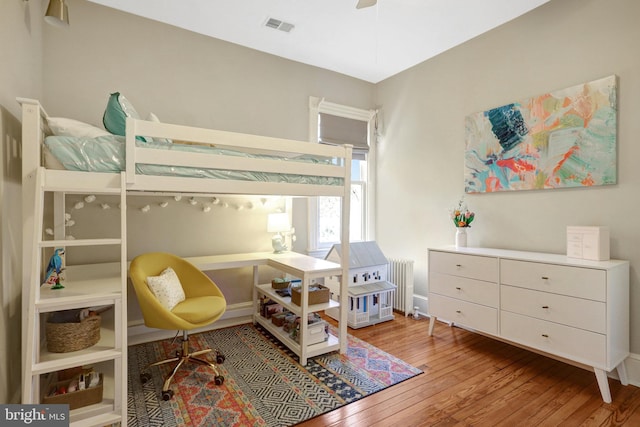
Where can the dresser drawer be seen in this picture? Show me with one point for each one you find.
(576, 312)
(474, 316)
(478, 291)
(472, 266)
(572, 281)
(564, 341)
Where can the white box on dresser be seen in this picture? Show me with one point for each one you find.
(588, 242)
(574, 309)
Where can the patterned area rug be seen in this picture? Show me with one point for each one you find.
(264, 385)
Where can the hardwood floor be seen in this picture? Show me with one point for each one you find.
(472, 380)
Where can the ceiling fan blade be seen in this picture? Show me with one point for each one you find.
(365, 3)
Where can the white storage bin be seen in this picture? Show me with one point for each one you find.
(590, 243)
(316, 332)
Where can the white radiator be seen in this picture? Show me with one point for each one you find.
(400, 273)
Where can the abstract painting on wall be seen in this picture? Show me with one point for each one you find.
(565, 138)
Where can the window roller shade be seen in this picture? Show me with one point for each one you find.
(336, 130)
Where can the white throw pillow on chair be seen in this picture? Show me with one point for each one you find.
(167, 288)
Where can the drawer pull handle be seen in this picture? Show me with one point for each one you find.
(458, 265)
(458, 311)
(545, 335)
(458, 288)
(545, 307)
(545, 278)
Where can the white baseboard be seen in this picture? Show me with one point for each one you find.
(420, 301)
(632, 363)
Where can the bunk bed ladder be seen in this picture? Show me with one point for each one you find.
(38, 360)
(30, 383)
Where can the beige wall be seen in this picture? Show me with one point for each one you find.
(20, 75)
(420, 173)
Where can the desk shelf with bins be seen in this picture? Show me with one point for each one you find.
(312, 350)
(307, 269)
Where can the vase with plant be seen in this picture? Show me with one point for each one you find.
(462, 218)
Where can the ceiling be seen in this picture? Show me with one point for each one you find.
(369, 44)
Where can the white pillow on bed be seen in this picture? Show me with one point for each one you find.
(153, 118)
(167, 288)
(61, 126)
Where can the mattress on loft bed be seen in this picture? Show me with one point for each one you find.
(107, 154)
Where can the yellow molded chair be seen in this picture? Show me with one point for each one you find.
(203, 305)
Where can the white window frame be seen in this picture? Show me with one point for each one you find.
(317, 106)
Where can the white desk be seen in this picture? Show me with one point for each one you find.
(304, 267)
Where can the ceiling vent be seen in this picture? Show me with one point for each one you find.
(277, 24)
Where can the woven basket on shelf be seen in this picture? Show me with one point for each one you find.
(73, 336)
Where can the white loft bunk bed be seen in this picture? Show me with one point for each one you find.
(267, 156)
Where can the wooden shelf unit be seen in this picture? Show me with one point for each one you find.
(102, 284)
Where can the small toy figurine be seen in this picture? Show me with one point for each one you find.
(55, 268)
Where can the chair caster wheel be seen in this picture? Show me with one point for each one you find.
(220, 358)
(219, 380)
(167, 394)
(145, 377)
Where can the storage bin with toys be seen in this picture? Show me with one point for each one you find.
(318, 294)
(317, 329)
(76, 387)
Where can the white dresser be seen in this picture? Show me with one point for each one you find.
(575, 309)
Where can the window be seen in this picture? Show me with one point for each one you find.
(337, 124)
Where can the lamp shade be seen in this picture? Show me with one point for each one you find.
(365, 3)
(57, 13)
(278, 222)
